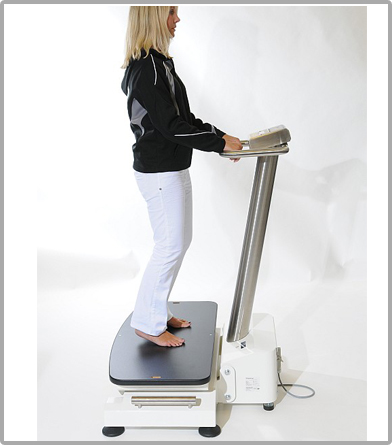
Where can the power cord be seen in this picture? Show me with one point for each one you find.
(295, 385)
(280, 360)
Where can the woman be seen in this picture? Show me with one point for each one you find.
(166, 132)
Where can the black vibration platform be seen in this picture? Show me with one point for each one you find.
(135, 361)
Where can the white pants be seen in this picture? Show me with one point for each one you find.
(169, 202)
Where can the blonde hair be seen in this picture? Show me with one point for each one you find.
(147, 28)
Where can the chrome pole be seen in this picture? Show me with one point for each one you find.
(263, 184)
(266, 145)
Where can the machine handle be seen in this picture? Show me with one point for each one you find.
(270, 151)
(268, 142)
(140, 401)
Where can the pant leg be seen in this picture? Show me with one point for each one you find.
(188, 225)
(169, 202)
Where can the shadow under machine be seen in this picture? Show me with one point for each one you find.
(237, 364)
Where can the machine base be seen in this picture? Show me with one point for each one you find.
(243, 372)
(162, 387)
(161, 409)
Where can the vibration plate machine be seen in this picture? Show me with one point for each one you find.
(181, 387)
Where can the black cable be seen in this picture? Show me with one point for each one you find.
(296, 385)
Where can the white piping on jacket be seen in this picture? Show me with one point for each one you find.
(155, 82)
(194, 134)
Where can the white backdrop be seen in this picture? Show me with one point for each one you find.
(304, 67)
(246, 69)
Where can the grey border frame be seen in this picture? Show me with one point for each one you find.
(119, 2)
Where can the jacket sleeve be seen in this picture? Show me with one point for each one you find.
(154, 94)
(205, 126)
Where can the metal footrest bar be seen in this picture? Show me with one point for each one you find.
(164, 401)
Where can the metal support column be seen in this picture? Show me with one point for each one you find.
(256, 225)
(252, 247)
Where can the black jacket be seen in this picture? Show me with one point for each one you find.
(165, 129)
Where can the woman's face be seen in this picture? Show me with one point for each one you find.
(172, 20)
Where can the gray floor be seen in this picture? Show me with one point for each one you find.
(321, 328)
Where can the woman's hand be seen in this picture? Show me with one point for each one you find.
(232, 143)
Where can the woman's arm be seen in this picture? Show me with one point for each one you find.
(151, 90)
(206, 126)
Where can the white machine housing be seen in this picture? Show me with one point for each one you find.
(248, 371)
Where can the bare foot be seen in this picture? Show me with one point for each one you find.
(178, 323)
(165, 339)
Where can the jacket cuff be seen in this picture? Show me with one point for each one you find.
(221, 145)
